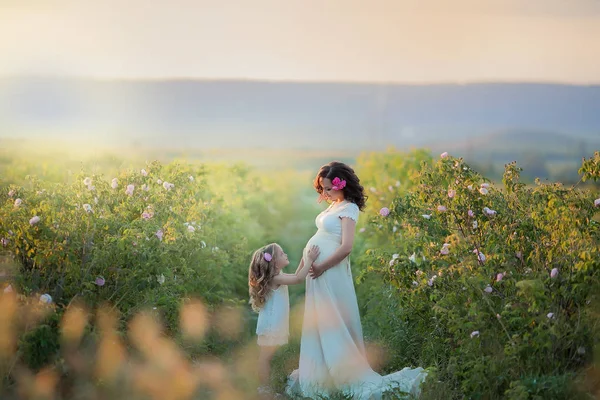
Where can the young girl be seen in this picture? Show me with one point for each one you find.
(269, 297)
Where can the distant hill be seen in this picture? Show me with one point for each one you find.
(508, 145)
(211, 114)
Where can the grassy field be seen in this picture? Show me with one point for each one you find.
(172, 262)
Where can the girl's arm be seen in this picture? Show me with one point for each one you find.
(300, 265)
(348, 227)
(301, 272)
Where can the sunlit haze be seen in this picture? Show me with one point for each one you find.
(411, 41)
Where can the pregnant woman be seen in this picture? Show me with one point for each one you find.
(332, 351)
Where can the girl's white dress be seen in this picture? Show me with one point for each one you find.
(332, 351)
(273, 327)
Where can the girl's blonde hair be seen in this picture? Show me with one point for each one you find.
(260, 275)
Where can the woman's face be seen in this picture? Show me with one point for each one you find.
(328, 192)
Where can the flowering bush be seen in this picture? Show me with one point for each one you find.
(130, 242)
(385, 175)
(493, 287)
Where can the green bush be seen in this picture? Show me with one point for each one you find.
(148, 250)
(102, 244)
(433, 305)
(495, 288)
(40, 346)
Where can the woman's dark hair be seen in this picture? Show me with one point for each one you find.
(353, 191)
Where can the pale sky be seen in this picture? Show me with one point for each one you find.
(410, 41)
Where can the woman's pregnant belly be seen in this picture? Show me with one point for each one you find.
(327, 243)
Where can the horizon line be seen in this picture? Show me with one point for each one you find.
(295, 81)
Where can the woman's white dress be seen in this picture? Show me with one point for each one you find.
(332, 351)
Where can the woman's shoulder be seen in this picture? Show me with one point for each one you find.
(349, 210)
(352, 205)
(349, 206)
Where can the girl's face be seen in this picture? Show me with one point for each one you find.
(328, 193)
(281, 258)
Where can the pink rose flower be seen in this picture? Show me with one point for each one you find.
(168, 186)
(129, 190)
(489, 211)
(46, 298)
(338, 184)
(480, 255)
(445, 249)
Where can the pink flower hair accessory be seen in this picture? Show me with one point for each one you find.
(338, 184)
(267, 257)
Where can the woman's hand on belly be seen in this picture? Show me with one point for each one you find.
(315, 271)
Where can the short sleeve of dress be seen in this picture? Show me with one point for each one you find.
(350, 211)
